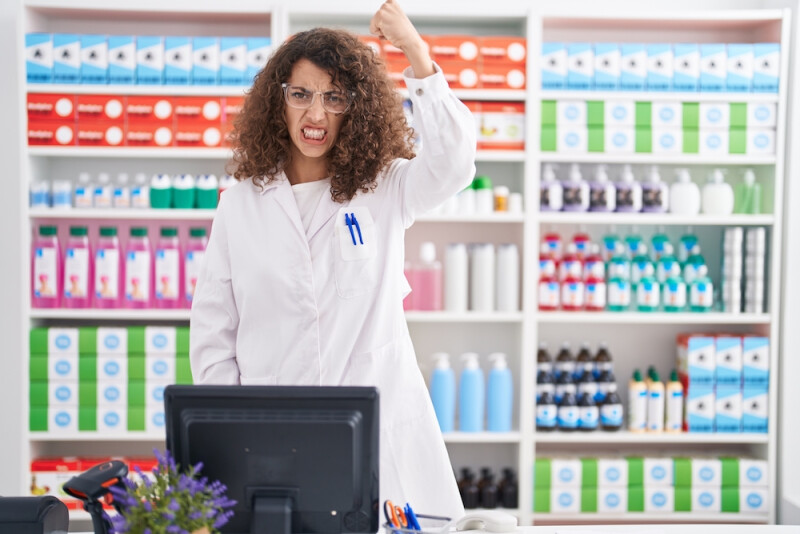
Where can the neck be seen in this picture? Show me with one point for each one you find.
(302, 169)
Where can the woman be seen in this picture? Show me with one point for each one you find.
(303, 277)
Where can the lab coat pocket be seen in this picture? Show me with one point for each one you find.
(355, 255)
(258, 380)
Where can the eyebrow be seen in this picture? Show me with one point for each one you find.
(304, 88)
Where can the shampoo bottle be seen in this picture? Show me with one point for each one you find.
(500, 393)
(655, 193)
(46, 269)
(78, 275)
(684, 195)
(576, 191)
(471, 395)
(603, 194)
(747, 195)
(674, 400)
(629, 192)
(637, 403)
(428, 277)
(443, 392)
(655, 405)
(717, 195)
(551, 192)
(107, 269)
(168, 270)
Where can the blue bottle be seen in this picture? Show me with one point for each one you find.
(500, 394)
(443, 392)
(471, 395)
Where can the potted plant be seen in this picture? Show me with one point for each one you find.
(170, 501)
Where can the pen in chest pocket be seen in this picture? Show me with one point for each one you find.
(351, 221)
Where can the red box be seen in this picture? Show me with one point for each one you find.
(100, 107)
(460, 74)
(502, 76)
(151, 134)
(204, 109)
(395, 68)
(49, 132)
(45, 106)
(100, 133)
(198, 135)
(509, 50)
(48, 475)
(455, 48)
(373, 42)
(231, 108)
(150, 108)
(501, 126)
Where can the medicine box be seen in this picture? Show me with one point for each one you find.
(66, 58)
(607, 66)
(713, 67)
(728, 370)
(755, 409)
(580, 65)
(612, 500)
(463, 48)
(121, 59)
(755, 361)
(750, 500)
(706, 472)
(154, 419)
(154, 392)
(493, 76)
(633, 70)
(232, 60)
(51, 133)
(766, 67)
(659, 67)
(566, 472)
(99, 133)
(205, 61)
(740, 68)
(697, 359)
(760, 141)
(658, 472)
(160, 368)
(61, 419)
(686, 67)
(112, 419)
(612, 472)
(753, 473)
(463, 75)
(705, 500)
(503, 49)
(666, 114)
(48, 476)
(100, 108)
(39, 57)
(44, 106)
(619, 113)
(112, 393)
(570, 138)
(159, 340)
(728, 416)
(112, 341)
(714, 141)
(715, 115)
(571, 113)
(554, 66)
(148, 134)
(156, 110)
(502, 126)
(177, 60)
(761, 115)
(617, 139)
(94, 59)
(149, 60)
(258, 52)
(659, 499)
(667, 140)
(700, 408)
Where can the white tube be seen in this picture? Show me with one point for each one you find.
(507, 278)
(482, 278)
(456, 281)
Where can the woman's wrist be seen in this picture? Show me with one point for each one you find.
(420, 60)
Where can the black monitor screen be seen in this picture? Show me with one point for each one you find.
(296, 459)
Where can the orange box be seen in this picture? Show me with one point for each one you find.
(501, 76)
(373, 42)
(509, 50)
(100, 133)
(45, 106)
(205, 109)
(231, 108)
(501, 126)
(198, 135)
(460, 74)
(148, 133)
(149, 108)
(455, 48)
(100, 107)
(50, 132)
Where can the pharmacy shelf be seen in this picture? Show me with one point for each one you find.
(650, 517)
(720, 318)
(625, 438)
(465, 317)
(658, 159)
(665, 219)
(482, 437)
(98, 314)
(511, 156)
(649, 96)
(123, 214)
(136, 90)
(488, 218)
(491, 95)
(96, 436)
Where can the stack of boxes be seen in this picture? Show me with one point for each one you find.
(732, 269)
(650, 485)
(755, 271)
(726, 382)
(661, 126)
(108, 380)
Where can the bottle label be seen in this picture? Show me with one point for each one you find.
(667, 269)
(167, 273)
(563, 389)
(637, 415)
(546, 415)
(122, 197)
(590, 388)
(544, 366)
(568, 416)
(675, 294)
(572, 294)
(598, 199)
(624, 198)
(45, 275)
(674, 410)
(548, 294)
(611, 415)
(690, 272)
(106, 273)
(137, 276)
(701, 295)
(619, 293)
(140, 197)
(76, 273)
(594, 269)
(565, 366)
(547, 266)
(570, 268)
(588, 416)
(652, 198)
(544, 196)
(648, 294)
(541, 389)
(641, 269)
(83, 197)
(596, 295)
(192, 268)
(102, 197)
(573, 195)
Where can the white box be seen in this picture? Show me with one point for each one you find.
(760, 141)
(159, 340)
(705, 500)
(700, 408)
(580, 65)
(753, 500)
(62, 342)
(112, 341)
(570, 113)
(762, 115)
(728, 417)
(659, 67)
(753, 473)
(706, 472)
(619, 113)
(667, 113)
(729, 360)
(755, 361)
(766, 67)
(572, 139)
(154, 393)
(612, 472)
(112, 419)
(39, 57)
(554, 66)
(606, 67)
(667, 140)
(633, 71)
(659, 472)
(566, 472)
(149, 60)
(565, 500)
(713, 67)
(714, 141)
(62, 367)
(755, 410)
(659, 499)
(62, 393)
(62, 419)
(686, 67)
(697, 358)
(112, 394)
(740, 68)
(715, 115)
(112, 368)
(612, 500)
(620, 139)
(160, 368)
(155, 422)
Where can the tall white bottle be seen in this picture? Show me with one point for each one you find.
(482, 278)
(456, 278)
(684, 195)
(507, 278)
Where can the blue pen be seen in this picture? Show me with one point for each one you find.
(358, 228)
(349, 224)
(412, 518)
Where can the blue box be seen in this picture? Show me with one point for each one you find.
(713, 67)
(94, 59)
(66, 58)
(659, 67)
(580, 66)
(205, 61)
(740, 68)
(606, 66)
(728, 417)
(728, 371)
(685, 67)
(149, 60)
(755, 409)
(700, 408)
(755, 361)
(232, 60)
(121, 59)
(633, 69)
(258, 52)
(554, 66)
(177, 60)
(766, 67)
(39, 57)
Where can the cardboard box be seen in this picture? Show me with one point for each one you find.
(667, 140)
(112, 420)
(706, 472)
(121, 59)
(659, 499)
(755, 361)
(149, 60)
(612, 472)
(177, 60)
(232, 60)
(461, 74)
(158, 110)
(619, 139)
(554, 65)
(686, 67)
(706, 500)
(260, 48)
(753, 473)
(766, 67)
(569, 139)
(728, 370)
(755, 409)
(580, 65)
(112, 341)
(633, 75)
(760, 141)
(39, 57)
(160, 340)
(751, 500)
(160, 368)
(658, 472)
(715, 115)
(205, 61)
(667, 114)
(714, 141)
(48, 476)
(612, 500)
(619, 113)
(198, 135)
(740, 68)
(501, 76)
(502, 49)
(697, 359)
(502, 126)
(107, 108)
(728, 416)
(607, 66)
(155, 420)
(659, 67)
(761, 115)
(62, 419)
(66, 58)
(700, 408)
(571, 113)
(713, 67)
(154, 393)
(47, 106)
(94, 59)
(112, 367)
(99, 133)
(112, 394)
(566, 472)
(463, 48)
(148, 134)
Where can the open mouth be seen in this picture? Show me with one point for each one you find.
(314, 134)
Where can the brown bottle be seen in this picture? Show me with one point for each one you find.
(565, 361)
(544, 362)
(602, 360)
(584, 360)
(489, 493)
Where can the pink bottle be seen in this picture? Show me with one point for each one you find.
(168, 270)
(428, 277)
(193, 259)
(138, 270)
(46, 269)
(107, 269)
(78, 275)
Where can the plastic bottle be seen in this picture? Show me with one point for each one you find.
(576, 191)
(693, 264)
(168, 270)
(685, 247)
(46, 269)
(443, 392)
(629, 192)
(484, 195)
(648, 294)
(84, 191)
(471, 395)
(564, 384)
(103, 192)
(637, 403)
(611, 411)
(470, 494)
(122, 192)
(611, 245)
(551, 192)
(507, 278)
(582, 242)
(618, 287)
(603, 360)
(606, 381)
(546, 412)
(655, 405)
(667, 265)
(544, 362)
(40, 196)
(595, 281)
(641, 266)
(545, 383)
(456, 278)
(140, 193)
(466, 201)
(501, 193)
(593, 264)
(658, 244)
(138, 270)
(184, 191)
(571, 265)
(655, 193)
(547, 260)
(565, 361)
(602, 193)
(718, 198)
(62, 194)
(568, 412)
(674, 400)
(161, 191)
(515, 203)
(747, 195)
(78, 273)
(684, 195)
(553, 241)
(489, 493)
(583, 361)
(500, 393)
(674, 294)
(586, 384)
(428, 277)
(588, 413)
(701, 291)
(207, 191)
(193, 259)
(482, 278)
(107, 263)
(549, 288)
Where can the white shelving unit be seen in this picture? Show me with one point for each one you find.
(517, 334)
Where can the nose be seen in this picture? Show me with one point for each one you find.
(316, 112)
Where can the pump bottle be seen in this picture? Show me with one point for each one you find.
(655, 193)
(576, 191)
(637, 403)
(471, 395)
(551, 192)
(500, 393)
(629, 192)
(603, 194)
(747, 195)
(684, 195)
(443, 392)
(717, 195)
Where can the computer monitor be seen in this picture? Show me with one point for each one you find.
(297, 459)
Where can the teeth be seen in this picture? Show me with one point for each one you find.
(313, 133)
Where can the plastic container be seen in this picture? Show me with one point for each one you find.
(551, 192)
(456, 278)
(184, 191)
(40, 194)
(674, 404)
(544, 362)
(571, 265)
(655, 404)
(84, 191)
(78, 275)
(140, 192)
(611, 411)
(684, 195)
(602, 193)
(629, 192)
(62, 194)
(648, 294)
(568, 413)
(667, 265)
(546, 412)
(138, 271)
(637, 403)
(482, 278)
(501, 194)
(588, 413)
(46, 269)
(484, 195)
(443, 392)
(500, 395)
(576, 191)
(746, 195)
(471, 395)
(207, 191)
(718, 198)
(122, 192)
(701, 291)
(193, 259)
(466, 201)
(655, 193)
(107, 269)
(429, 524)
(168, 270)
(507, 278)
(618, 286)
(103, 192)
(160, 191)
(428, 279)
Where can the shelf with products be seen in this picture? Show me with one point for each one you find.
(482, 437)
(123, 214)
(649, 517)
(625, 438)
(647, 219)
(654, 318)
(38, 437)
(566, 94)
(657, 159)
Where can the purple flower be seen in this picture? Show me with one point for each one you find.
(168, 515)
(148, 507)
(173, 505)
(197, 514)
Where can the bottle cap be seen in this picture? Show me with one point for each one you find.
(673, 376)
(470, 360)
(140, 178)
(122, 178)
(501, 191)
(48, 230)
(169, 232)
(498, 360)
(103, 178)
(138, 231)
(655, 376)
(108, 231)
(717, 177)
(683, 176)
(84, 177)
(197, 232)
(482, 182)
(427, 252)
(442, 360)
(637, 375)
(78, 231)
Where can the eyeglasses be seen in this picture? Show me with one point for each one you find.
(336, 102)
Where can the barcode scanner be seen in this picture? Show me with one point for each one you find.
(93, 488)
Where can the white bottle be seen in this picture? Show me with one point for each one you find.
(576, 191)
(103, 192)
(629, 192)
(140, 193)
(551, 192)
(62, 194)
(122, 192)
(684, 195)
(655, 405)
(602, 193)
(456, 280)
(40, 194)
(84, 192)
(717, 195)
(482, 275)
(507, 278)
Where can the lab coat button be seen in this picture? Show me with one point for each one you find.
(420, 92)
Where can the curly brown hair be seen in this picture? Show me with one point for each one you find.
(373, 132)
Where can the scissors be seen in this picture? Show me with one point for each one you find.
(395, 515)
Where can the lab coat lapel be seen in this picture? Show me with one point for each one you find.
(326, 209)
(281, 192)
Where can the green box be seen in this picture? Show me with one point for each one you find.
(635, 471)
(644, 141)
(38, 368)
(595, 113)
(136, 418)
(87, 340)
(136, 368)
(87, 368)
(589, 474)
(548, 112)
(136, 341)
(588, 500)
(541, 473)
(596, 139)
(683, 499)
(182, 341)
(730, 499)
(636, 499)
(183, 370)
(683, 472)
(87, 419)
(730, 472)
(87, 394)
(644, 115)
(548, 142)
(39, 393)
(38, 419)
(136, 393)
(691, 141)
(691, 115)
(738, 114)
(39, 343)
(541, 500)
(737, 141)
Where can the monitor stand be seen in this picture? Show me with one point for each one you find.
(271, 514)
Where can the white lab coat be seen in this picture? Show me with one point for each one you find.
(277, 305)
